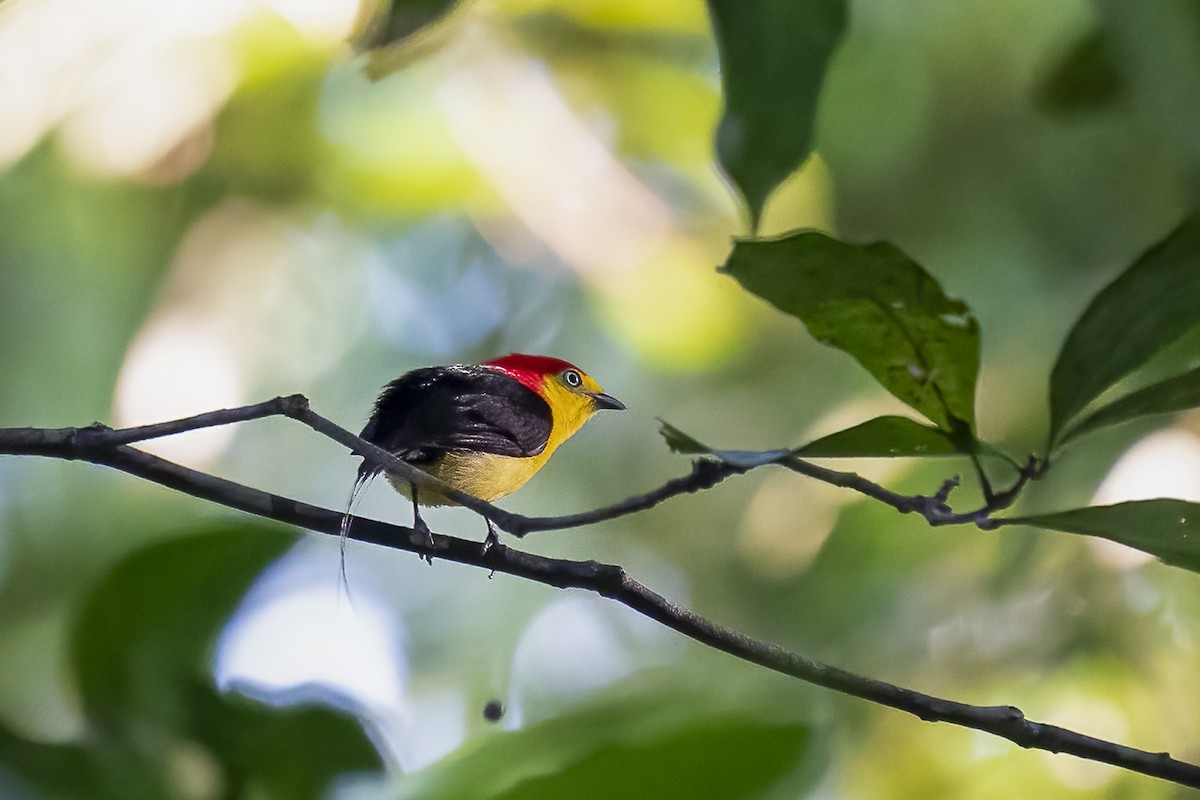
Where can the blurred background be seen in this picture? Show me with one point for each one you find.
(205, 204)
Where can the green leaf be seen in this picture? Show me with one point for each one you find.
(666, 744)
(291, 753)
(728, 759)
(143, 653)
(70, 772)
(887, 437)
(878, 305)
(1146, 308)
(1175, 394)
(680, 442)
(773, 58)
(1169, 529)
(152, 621)
(402, 32)
(397, 20)
(1085, 80)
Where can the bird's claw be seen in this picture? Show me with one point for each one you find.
(492, 540)
(422, 535)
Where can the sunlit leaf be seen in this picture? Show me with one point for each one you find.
(680, 442)
(1146, 308)
(1174, 394)
(887, 437)
(1086, 79)
(1169, 529)
(773, 58)
(878, 305)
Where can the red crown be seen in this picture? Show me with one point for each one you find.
(529, 370)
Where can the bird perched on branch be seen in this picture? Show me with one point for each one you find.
(484, 429)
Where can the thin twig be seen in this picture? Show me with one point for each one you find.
(88, 444)
(985, 484)
(706, 472)
(933, 508)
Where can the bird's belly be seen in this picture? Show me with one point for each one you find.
(484, 475)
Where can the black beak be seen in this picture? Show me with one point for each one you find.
(603, 401)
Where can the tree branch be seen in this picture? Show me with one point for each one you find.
(100, 445)
(706, 472)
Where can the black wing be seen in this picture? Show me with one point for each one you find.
(426, 412)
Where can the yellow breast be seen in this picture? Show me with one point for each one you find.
(484, 475)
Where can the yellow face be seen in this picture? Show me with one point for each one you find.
(573, 397)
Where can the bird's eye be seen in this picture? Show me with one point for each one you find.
(572, 378)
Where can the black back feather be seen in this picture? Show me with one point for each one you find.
(427, 412)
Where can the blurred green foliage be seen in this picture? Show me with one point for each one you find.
(533, 175)
(155, 725)
(1086, 78)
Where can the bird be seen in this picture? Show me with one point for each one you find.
(483, 429)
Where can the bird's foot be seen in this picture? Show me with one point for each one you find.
(492, 540)
(422, 535)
